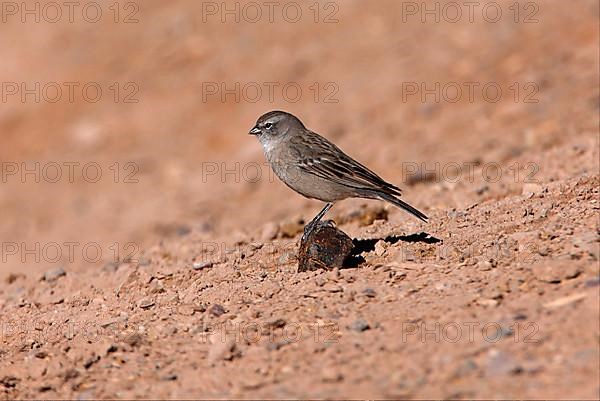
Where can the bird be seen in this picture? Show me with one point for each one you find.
(314, 167)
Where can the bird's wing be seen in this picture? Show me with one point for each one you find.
(318, 156)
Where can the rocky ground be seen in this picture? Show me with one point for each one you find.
(196, 292)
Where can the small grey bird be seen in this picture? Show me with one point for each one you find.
(316, 168)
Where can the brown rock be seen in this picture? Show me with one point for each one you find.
(326, 248)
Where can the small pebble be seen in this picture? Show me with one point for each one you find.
(360, 325)
(146, 303)
(531, 189)
(41, 354)
(45, 387)
(133, 339)
(216, 310)
(380, 248)
(70, 374)
(369, 293)
(157, 287)
(202, 265)
(54, 274)
(90, 361)
(169, 377)
(275, 323)
(9, 381)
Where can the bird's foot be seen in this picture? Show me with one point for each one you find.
(307, 230)
(310, 227)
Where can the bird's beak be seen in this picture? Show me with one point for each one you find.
(254, 131)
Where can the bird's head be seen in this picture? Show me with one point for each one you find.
(275, 125)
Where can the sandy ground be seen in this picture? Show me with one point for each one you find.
(161, 261)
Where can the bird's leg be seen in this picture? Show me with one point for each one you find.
(311, 226)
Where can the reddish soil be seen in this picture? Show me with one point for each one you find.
(195, 292)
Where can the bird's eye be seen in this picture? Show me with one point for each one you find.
(269, 125)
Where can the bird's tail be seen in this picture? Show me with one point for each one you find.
(403, 205)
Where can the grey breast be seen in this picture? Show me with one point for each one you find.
(285, 159)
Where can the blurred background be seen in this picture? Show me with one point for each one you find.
(126, 122)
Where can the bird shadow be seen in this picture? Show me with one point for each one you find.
(368, 245)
